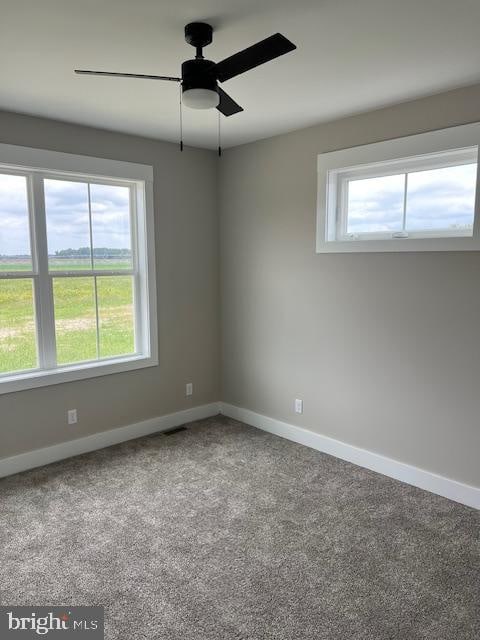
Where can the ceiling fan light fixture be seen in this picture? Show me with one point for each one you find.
(200, 98)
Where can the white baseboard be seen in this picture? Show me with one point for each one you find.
(39, 457)
(427, 480)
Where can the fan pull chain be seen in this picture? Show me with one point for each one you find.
(219, 136)
(181, 119)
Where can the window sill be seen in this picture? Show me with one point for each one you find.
(43, 378)
(398, 245)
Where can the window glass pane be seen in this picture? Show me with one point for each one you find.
(75, 319)
(112, 247)
(68, 225)
(441, 199)
(115, 315)
(15, 251)
(18, 348)
(375, 204)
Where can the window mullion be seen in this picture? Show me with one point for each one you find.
(96, 315)
(90, 227)
(138, 294)
(43, 282)
(404, 218)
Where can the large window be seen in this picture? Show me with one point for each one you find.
(415, 194)
(76, 269)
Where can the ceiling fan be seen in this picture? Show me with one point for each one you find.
(200, 77)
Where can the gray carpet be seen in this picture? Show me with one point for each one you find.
(223, 532)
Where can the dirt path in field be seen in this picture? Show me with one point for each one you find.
(114, 314)
(7, 332)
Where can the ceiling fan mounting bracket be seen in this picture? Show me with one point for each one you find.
(198, 34)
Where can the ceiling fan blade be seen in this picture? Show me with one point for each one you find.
(87, 72)
(253, 56)
(227, 105)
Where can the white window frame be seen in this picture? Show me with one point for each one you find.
(37, 165)
(416, 152)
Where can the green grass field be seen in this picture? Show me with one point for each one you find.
(75, 316)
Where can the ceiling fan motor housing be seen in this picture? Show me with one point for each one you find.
(199, 84)
(198, 74)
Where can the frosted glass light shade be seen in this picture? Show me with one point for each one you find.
(200, 98)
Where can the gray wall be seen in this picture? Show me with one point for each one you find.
(383, 348)
(187, 280)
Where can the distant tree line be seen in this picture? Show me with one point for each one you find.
(19, 256)
(98, 252)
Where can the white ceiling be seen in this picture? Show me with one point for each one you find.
(353, 55)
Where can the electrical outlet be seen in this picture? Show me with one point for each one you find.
(72, 416)
(298, 405)
(189, 389)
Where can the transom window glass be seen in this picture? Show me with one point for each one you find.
(73, 272)
(430, 201)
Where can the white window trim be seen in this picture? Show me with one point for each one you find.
(25, 159)
(434, 142)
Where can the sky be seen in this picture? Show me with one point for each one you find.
(67, 215)
(438, 198)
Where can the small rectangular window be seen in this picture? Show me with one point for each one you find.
(77, 281)
(378, 198)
